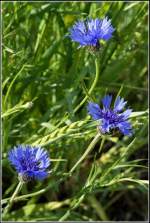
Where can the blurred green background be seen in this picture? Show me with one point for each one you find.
(42, 75)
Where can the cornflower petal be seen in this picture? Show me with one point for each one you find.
(91, 31)
(125, 128)
(119, 104)
(105, 126)
(106, 29)
(107, 101)
(30, 162)
(127, 113)
(111, 119)
(94, 110)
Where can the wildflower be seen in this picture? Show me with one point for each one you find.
(89, 32)
(30, 162)
(111, 119)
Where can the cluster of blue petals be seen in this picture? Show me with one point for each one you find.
(111, 119)
(30, 161)
(89, 32)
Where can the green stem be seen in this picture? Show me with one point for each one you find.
(98, 207)
(117, 161)
(65, 216)
(74, 206)
(11, 84)
(92, 87)
(22, 197)
(90, 147)
(102, 143)
(76, 201)
(9, 205)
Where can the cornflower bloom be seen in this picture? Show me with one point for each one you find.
(30, 162)
(91, 31)
(111, 119)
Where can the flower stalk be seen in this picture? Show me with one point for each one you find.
(97, 67)
(88, 150)
(91, 178)
(9, 205)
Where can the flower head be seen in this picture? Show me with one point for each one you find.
(111, 118)
(30, 162)
(89, 32)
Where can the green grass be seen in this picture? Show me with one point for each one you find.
(43, 82)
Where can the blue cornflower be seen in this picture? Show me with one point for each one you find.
(30, 162)
(111, 119)
(89, 32)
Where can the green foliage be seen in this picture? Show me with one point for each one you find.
(45, 77)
